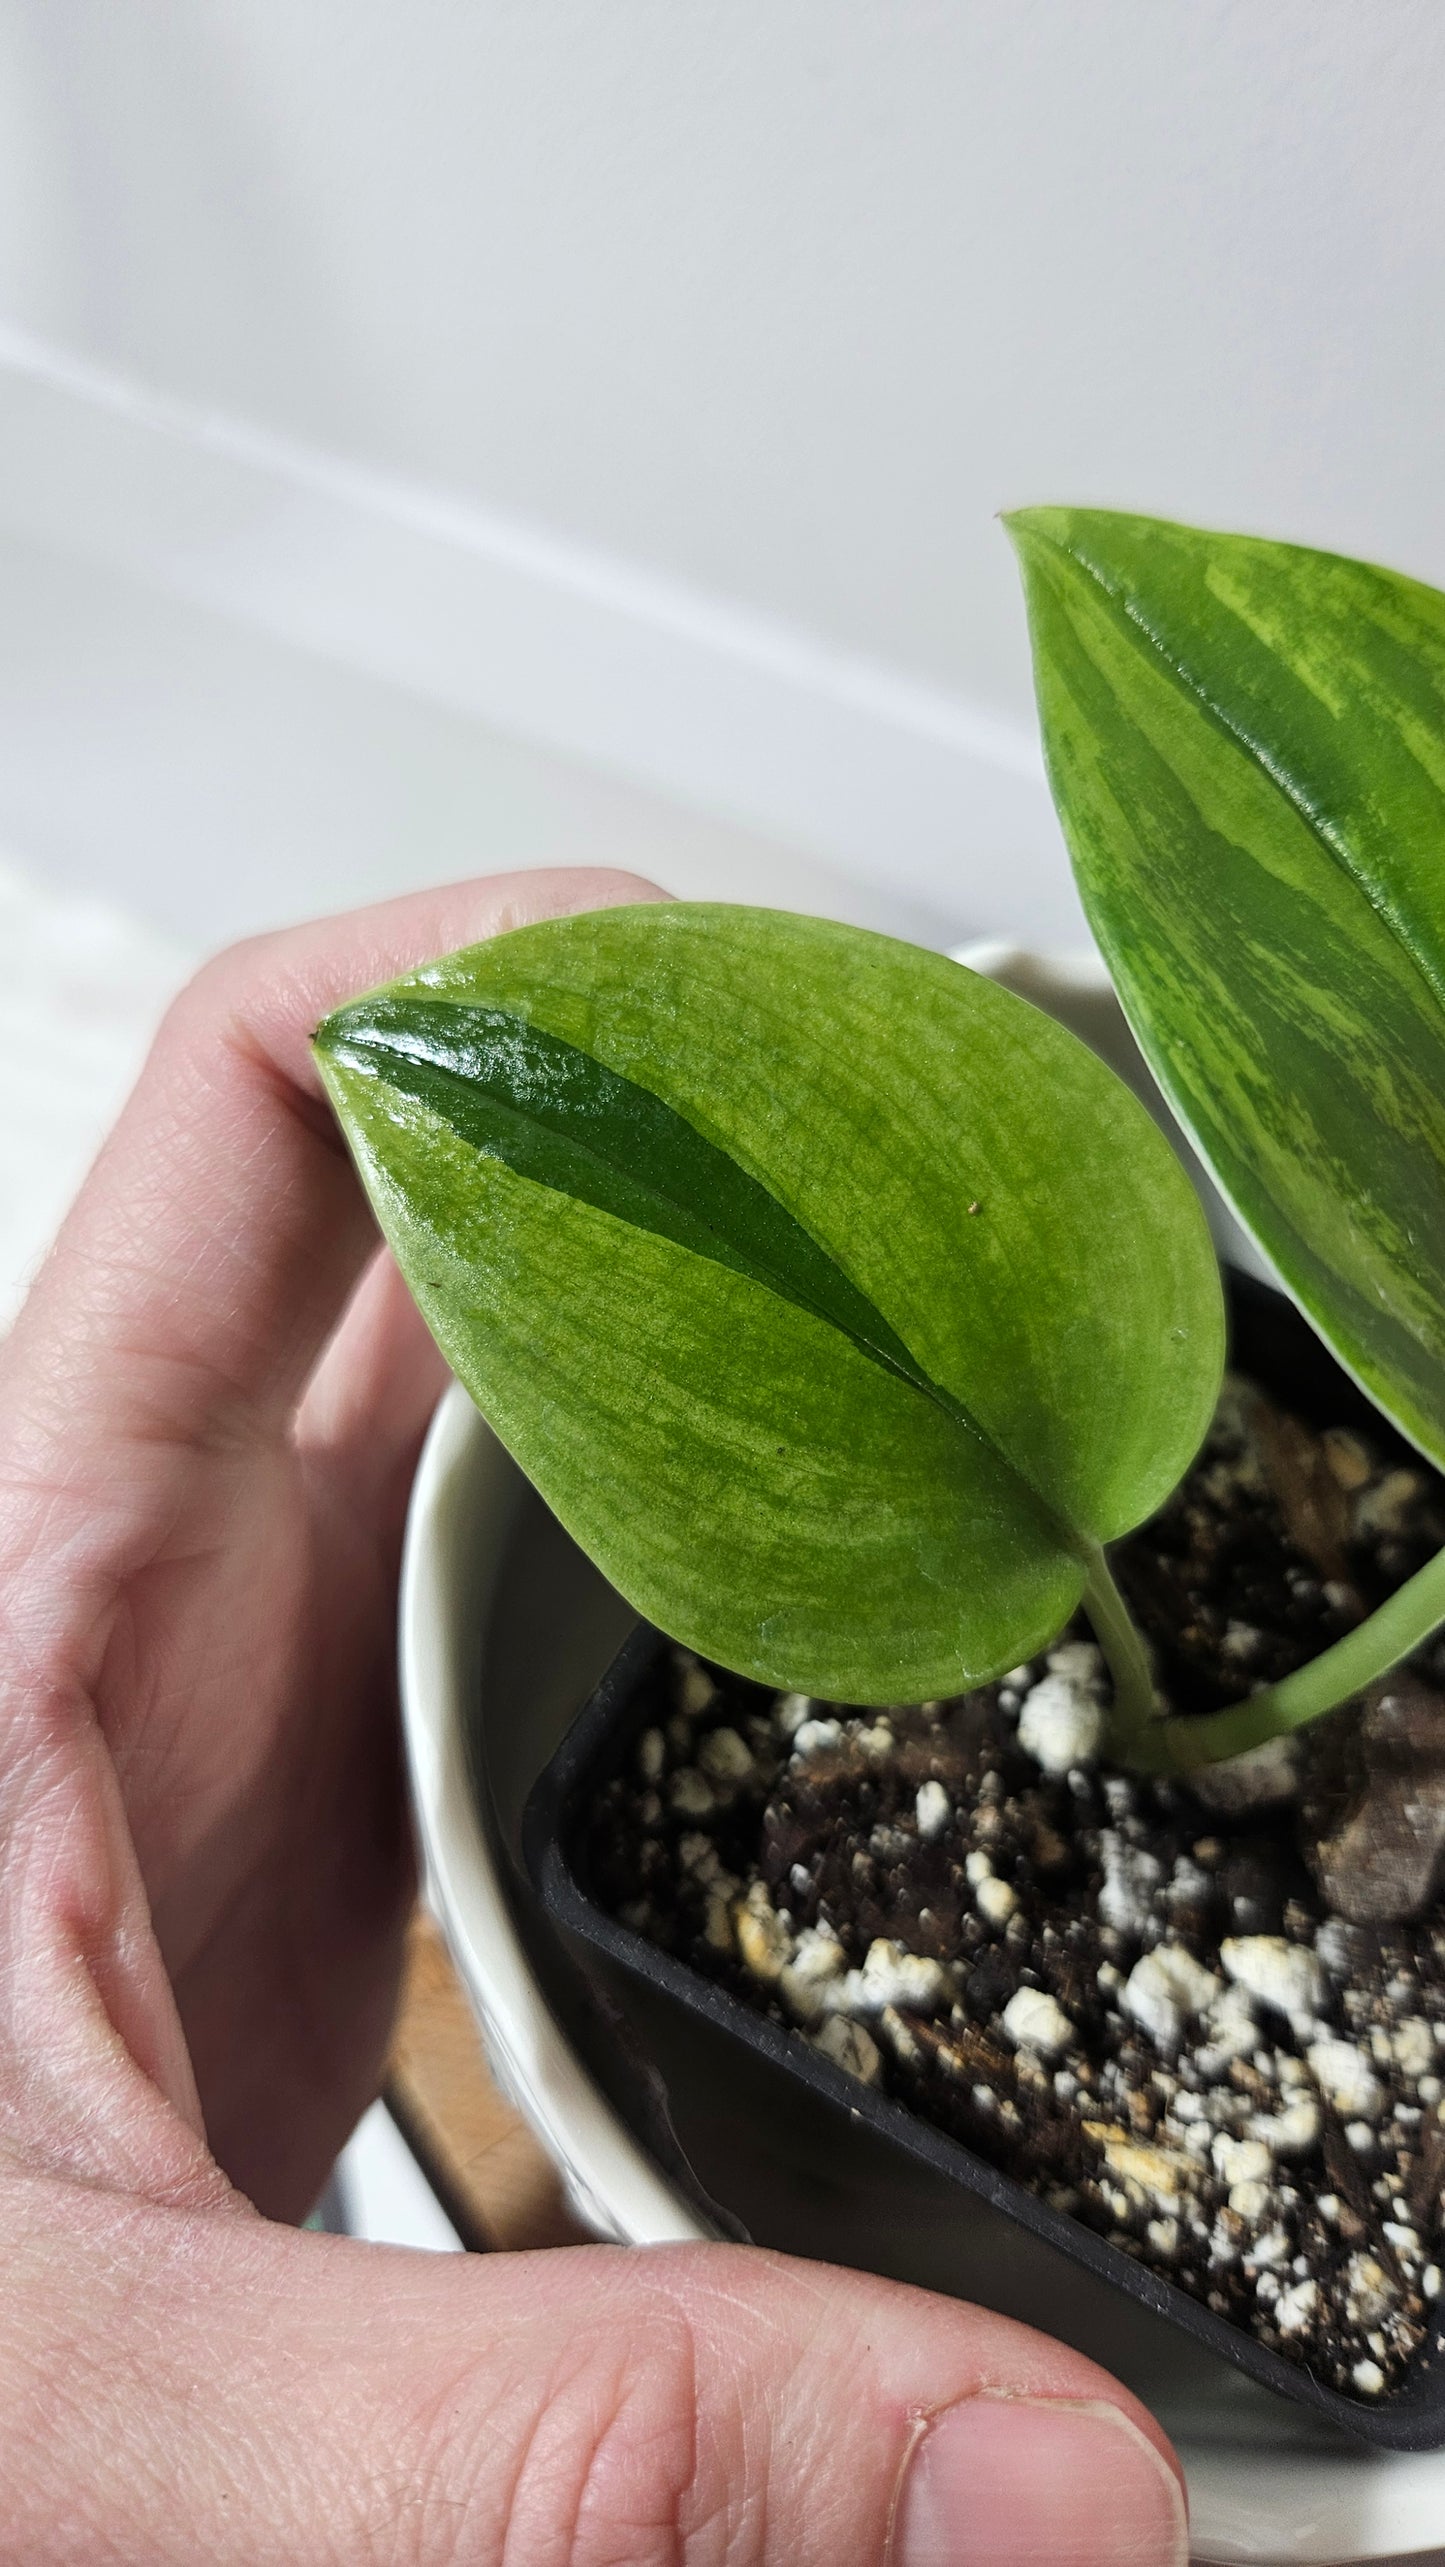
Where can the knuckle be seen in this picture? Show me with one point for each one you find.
(207, 997)
(626, 2494)
(595, 2466)
(212, 1007)
(215, 984)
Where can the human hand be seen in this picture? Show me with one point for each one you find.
(209, 1413)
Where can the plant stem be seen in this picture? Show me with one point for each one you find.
(1133, 1711)
(1399, 1625)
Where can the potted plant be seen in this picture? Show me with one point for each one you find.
(865, 1330)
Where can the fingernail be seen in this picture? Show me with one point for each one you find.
(1006, 2482)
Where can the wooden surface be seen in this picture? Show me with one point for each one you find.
(493, 2179)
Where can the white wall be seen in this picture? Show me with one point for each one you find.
(642, 376)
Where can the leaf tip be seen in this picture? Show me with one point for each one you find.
(322, 1037)
(1026, 527)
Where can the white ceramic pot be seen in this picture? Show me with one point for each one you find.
(504, 1630)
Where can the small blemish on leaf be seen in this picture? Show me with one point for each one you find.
(975, 1207)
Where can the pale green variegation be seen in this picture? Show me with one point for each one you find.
(774, 1251)
(1246, 743)
(1247, 746)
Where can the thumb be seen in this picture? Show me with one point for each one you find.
(310, 2399)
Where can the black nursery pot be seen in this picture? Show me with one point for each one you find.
(1275, 1346)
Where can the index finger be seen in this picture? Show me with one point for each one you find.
(217, 1236)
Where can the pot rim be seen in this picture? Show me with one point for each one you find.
(615, 2186)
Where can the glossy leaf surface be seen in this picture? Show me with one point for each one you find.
(1246, 742)
(834, 1298)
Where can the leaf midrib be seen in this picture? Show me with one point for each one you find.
(757, 1267)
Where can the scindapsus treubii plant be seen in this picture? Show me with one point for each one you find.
(844, 1306)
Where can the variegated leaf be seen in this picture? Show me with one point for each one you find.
(1246, 742)
(837, 1300)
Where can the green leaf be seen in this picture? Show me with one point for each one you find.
(1246, 743)
(555, 1114)
(838, 1301)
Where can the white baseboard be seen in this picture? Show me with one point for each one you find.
(894, 783)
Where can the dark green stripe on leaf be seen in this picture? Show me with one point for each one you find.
(556, 1115)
